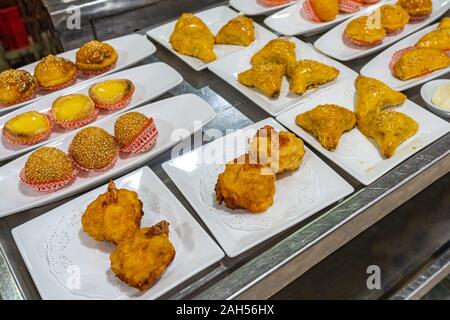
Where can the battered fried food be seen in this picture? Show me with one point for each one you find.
(238, 31)
(140, 260)
(114, 216)
(246, 185)
(327, 122)
(437, 39)
(265, 77)
(279, 51)
(308, 74)
(282, 151)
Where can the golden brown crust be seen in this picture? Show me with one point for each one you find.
(95, 56)
(48, 164)
(360, 30)
(16, 86)
(128, 126)
(53, 71)
(417, 8)
(238, 31)
(19, 135)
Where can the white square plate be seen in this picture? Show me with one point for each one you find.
(253, 7)
(150, 81)
(214, 18)
(230, 67)
(175, 118)
(55, 248)
(299, 194)
(130, 49)
(378, 67)
(357, 154)
(332, 44)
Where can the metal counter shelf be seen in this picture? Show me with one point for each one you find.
(267, 268)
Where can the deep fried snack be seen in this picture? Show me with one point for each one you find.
(96, 57)
(16, 86)
(265, 77)
(140, 260)
(417, 9)
(279, 51)
(246, 185)
(393, 17)
(114, 216)
(309, 74)
(238, 31)
(437, 39)
(363, 33)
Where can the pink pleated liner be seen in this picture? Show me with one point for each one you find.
(80, 167)
(118, 105)
(29, 97)
(362, 43)
(41, 137)
(349, 6)
(418, 19)
(272, 3)
(50, 185)
(393, 32)
(309, 11)
(144, 140)
(370, 1)
(397, 55)
(73, 124)
(97, 72)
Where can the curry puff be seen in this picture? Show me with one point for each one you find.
(238, 31)
(54, 73)
(16, 86)
(96, 57)
(265, 77)
(279, 51)
(308, 74)
(364, 33)
(437, 39)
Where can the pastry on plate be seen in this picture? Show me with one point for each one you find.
(112, 94)
(417, 9)
(282, 151)
(393, 18)
(73, 111)
(238, 31)
(48, 169)
(141, 260)
(95, 57)
(364, 32)
(93, 149)
(279, 51)
(27, 128)
(265, 77)
(415, 62)
(309, 74)
(192, 37)
(273, 3)
(321, 10)
(327, 122)
(54, 73)
(437, 39)
(246, 184)
(134, 132)
(445, 23)
(114, 216)
(16, 86)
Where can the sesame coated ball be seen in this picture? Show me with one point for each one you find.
(48, 164)
(128, 126)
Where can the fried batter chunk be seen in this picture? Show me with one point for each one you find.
(265, 77)
(238, 31)
(311, 74)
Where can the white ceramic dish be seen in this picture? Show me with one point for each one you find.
(378, 67)
(357, 154)
(150, 81)
(37, 241)
(229, 68)
(253, 8)
(130, 49)
(175, 118)
(214, 18)
(427, 91)
(299, 194)
(332, 44)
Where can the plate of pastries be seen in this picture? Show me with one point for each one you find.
(254, 183)
(280, 73)
(201, 38)
(257, 7)
(414, 60)
(124, 240)
(49, 118)
(375, 28)
(364, 126)
(308, 17)
(70, 69)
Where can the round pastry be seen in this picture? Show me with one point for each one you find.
(364, 34)
(93, 149)
(321, 10)
(48, 169)
(273, 3)
(95, 57)
(112, 94)
(16, 86)
(134, 132)
(417, 9)
(27, 128)
(445, 23)
(393, 18)
(54, 73)
(73, 111)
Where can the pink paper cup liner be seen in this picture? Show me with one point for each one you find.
(118, 105)
(349, 6)
(274, 3)
(34, 140)
(309, 11)
(80, 167)
(90, 73)
(60, 86)
(417, 19)
(144, 140)
(363, 44)
(27, 98)
(73, 124)
(394, 32)
(47, 186)
(371, 1)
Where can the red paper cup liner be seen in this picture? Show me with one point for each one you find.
(47, 186)
(118, 105)
(144, 140)
(31, 141)
(309, 11)
(349, 6)
(29, 97)
(73, 124)
(370, 1)
(60, 86)
(397, 56)
(78, 166)
(272, 3)
(90, 73)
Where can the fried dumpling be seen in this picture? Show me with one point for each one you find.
(238, 31)
(265, 77)
(445, 23)
(279, 51)
(310, 74)
(437, 39)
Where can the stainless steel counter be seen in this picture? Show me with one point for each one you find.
(269, 267)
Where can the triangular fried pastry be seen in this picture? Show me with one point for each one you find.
(238, 31)
(280, 51)
(265, 77)
(310, 74)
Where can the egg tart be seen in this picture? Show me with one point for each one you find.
(96, 57)
(73, 111)
(93, 149)
(134, 132)
(363, 33)
(48, 169)
(112, 94)
(54, 73)
(417, 9)
(27, 128)
(16, 86)
(393, 18)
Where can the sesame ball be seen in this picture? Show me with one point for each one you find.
(48, 164)
(128, 126)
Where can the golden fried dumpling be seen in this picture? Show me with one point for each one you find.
(140, 260)
(416, 62)
(362, 32)
(327, 122)
(238, 31)
(279, 51)
(445, 23)
(393, 17)
(321, 10)
(282, 151)
(114, 216)
(311, 74)
(246, 184)
(95, 57)
(192, 37)
(16, 86)
(265, 77)
(437, 39)
(54, 73)
(417, 9)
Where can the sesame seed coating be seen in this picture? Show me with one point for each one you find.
(52, 70)
(128, 126)
(15, 84)
(94, 52)
(48, 164)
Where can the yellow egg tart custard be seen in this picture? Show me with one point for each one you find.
(27, 128)
(112, 94)
(73, 111)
